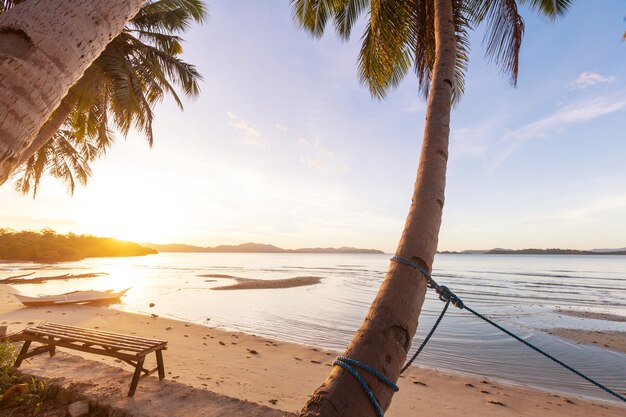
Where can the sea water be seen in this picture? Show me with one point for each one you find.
(521, 292)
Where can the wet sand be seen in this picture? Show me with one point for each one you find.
(592, 315)
(613, 340)
(231, 370)
(256, 284)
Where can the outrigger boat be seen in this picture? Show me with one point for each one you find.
(74, 297)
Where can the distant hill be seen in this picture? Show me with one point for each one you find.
(609, 250)
(554, 251)
(252, 248)
(48, 246)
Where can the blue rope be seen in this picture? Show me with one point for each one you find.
(449, 297)
(547, 355)
(347, 364)
(423, 345)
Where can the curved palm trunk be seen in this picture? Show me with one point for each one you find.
(48, 130)
(45, 46)
(384, 338)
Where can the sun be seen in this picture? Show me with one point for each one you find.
(142, 213)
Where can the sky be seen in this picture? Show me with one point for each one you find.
(284, 146)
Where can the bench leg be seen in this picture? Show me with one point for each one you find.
(52, 350)
(136, 375)
(22, 354)
(159, 355)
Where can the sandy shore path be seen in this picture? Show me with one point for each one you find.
(275, 374)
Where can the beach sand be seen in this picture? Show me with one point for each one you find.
(592, 315)
(214, 372)
(613, 340)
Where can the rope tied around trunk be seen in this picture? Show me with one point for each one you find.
(447, 296)
(347, 364)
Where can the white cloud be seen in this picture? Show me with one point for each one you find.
(589, 79)
(321, 158)
(579, 112)
(281, 127)
(250, 134)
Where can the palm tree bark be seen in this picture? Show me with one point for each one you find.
(45, 46)
(384, 338)
(48, 130)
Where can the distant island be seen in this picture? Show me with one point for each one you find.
(48, 246)
(252, 248)
(554, 251)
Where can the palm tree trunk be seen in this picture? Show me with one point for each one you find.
(45, 46)
(48, 130)
(384, 338)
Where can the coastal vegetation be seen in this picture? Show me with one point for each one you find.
(533, 251)
(48, 246)
(18, 395)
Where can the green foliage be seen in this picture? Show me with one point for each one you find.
(7, 359)
(29, 401)
(136, 70)
(48, 246)
(400, 35)
(34, 399)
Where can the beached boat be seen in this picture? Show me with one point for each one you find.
(74, 297)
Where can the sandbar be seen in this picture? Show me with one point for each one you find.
(614, 340)
(257, 284)
(592, 315)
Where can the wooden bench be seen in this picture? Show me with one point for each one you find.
(130, 349)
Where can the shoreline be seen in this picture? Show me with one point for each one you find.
(281, 375)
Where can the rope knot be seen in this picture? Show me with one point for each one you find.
(446, 295)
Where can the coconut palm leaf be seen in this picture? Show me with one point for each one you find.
(505, 28)
(399, 35)
(118, 91)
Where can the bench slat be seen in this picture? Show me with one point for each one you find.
(83, 339)
(79, 333)
(95, 350)
(106, 333)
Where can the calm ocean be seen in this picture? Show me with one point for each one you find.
(521, 292)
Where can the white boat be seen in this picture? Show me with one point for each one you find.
(74, 297)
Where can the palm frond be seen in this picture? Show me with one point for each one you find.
(170, 44)
(169, 16)
(503, 34)
(386, 53)
(550, 8)
(312, 15)
(8, 4)
(136, 70)
(346, 13)
(399, 34)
